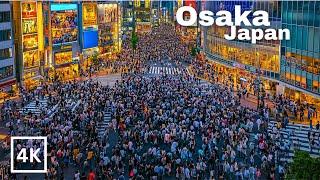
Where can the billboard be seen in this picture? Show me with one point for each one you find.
(108, 13)
(30, 42)
(29, 9)
(90, 39)
(63, 57)
(31, 59)
(89, 14)
(29, 26)
(64, 22)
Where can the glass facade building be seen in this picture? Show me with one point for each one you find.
(242, 59)
(263, 55)
(127, 15)
(300, 56)
(290, 67)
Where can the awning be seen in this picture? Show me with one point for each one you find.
(8, 83)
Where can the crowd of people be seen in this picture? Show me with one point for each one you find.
(161, 127)
(284, 107)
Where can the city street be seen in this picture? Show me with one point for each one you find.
(114, 137)
(124, 91)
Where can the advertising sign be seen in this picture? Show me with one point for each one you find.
(90, 39)
(63, 57)
(89, 15)
(29, 9)
(30, 42)
(108, 13)
(64, 23)
(31, 59)
(29, 26)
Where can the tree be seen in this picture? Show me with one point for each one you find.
(134, 41)
(304, 166)
(194, 51)
(95, 59)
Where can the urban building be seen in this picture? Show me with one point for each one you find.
(109, 25)
(155, 13)
(63, 48)
(89, 34)
(189, 34)
(290, 67)
(241, 59)
(127, 9)
(300, 56)
(142, 15)
(7, 64)
(166, 11)
(29, 41)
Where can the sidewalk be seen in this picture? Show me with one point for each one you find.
(251, 102)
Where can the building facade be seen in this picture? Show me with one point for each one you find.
(109, 26)
(285, 67)
(241, 59)
(300, 56)
(29, 44)
(127, 10)
(7, 64)
(142, 15)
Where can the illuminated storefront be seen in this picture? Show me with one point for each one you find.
(64, 39)
(109, 25)
(249, 60)
(89, 34)
(300, 56)
(143, 15)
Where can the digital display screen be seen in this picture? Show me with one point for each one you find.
(90, 39)
(64, 22)
(63, 7)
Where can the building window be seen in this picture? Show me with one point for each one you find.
(5, 16)
(6, 72)
(5, 35)
(5, 53)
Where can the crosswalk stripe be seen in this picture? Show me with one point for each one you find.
(102, 126)
(167, 70)
(297, 135)
(34, 108)
(175, 70)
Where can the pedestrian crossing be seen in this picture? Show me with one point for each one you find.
(296, 136)
(35, 107)
(167, 70)
(103, 126)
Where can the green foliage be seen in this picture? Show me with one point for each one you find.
(95, 59)
(194, 51)
(134, 40)
(304, 166)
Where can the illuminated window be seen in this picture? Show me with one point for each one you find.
(5, 53)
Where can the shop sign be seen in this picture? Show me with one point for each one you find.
(89, 16)
(108, 13)
(29, 9)
(238, 65)
(58, 47)
(29, 26)
(30, 42)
